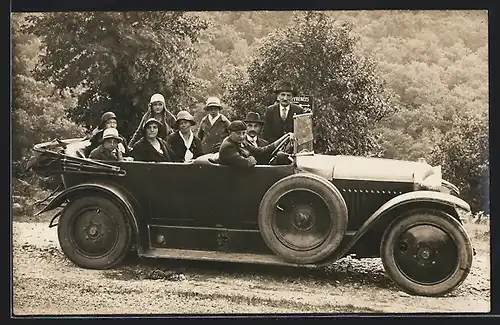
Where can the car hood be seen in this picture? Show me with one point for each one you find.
(361, 168)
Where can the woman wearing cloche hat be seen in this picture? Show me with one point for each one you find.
(108, 120)
(108, 149)
(156, 109)
(151, 147)
(185, 145)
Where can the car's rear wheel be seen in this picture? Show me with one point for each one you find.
(303, 218)
(426, 252)
(94, 232)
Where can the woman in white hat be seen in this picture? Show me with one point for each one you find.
(158, 111)
(108, 149)
(151, 146)
(184, 143)
(108, 120)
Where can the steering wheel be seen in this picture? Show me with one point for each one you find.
(286, 140)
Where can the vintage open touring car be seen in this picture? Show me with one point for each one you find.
(310, 213)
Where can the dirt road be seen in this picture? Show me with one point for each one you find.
(45, 282)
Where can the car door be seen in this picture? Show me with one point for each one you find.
(209, 194)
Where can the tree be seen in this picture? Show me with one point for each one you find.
(464, 154)
(38, 111)
(120, 59)
(319, 58)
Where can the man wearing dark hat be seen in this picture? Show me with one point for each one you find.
(254, 126)
(279, 116)
(213, 127)
(235, 151)
(252, 138)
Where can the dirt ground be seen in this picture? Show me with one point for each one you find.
(46, 283)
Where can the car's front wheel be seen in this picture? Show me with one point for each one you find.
(426, 252)
(94, 232)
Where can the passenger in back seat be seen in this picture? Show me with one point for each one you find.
(108, 149)
(108, 120)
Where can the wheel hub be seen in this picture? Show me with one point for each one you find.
(302, 220)
(94, 232)
(426, 254)
(303, 217)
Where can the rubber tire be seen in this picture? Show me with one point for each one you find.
(122, 245)
(445, 222)
(334, 201)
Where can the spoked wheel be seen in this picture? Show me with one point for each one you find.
(303, 218)
(426, 252)
(94, 233)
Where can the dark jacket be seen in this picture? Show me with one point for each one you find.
(233, 154)
(101, 153)
(95, 141)
(210, 135)
(262, 159)
(144, 151)
(167, 120)
(274, 126)
(179, 148)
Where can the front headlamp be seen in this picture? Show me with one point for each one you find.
(428, 179)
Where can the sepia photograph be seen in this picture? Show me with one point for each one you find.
(331, 162)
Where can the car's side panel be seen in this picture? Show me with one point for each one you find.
(209, 195)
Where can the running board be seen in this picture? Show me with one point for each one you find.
(184, 254)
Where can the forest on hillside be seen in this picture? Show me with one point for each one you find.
(395, 84)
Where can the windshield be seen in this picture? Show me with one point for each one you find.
(303, 130)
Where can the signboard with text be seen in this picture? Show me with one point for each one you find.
(306, 102)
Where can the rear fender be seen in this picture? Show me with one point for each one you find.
(417, 198)
(118, 193)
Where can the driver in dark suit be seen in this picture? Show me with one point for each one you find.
(279, 116)
(235, 151)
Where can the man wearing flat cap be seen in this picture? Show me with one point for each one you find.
(213, 127)
(235, 151)
(279, 116)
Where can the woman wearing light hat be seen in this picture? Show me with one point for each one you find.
(151, 147)
(184, 143)
(108, 120)
(108, 149)
(213, 127)
(158, 111)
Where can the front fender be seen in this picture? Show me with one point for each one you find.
(121, 195)
(406, 198)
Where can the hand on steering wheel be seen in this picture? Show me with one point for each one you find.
(282, 143)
